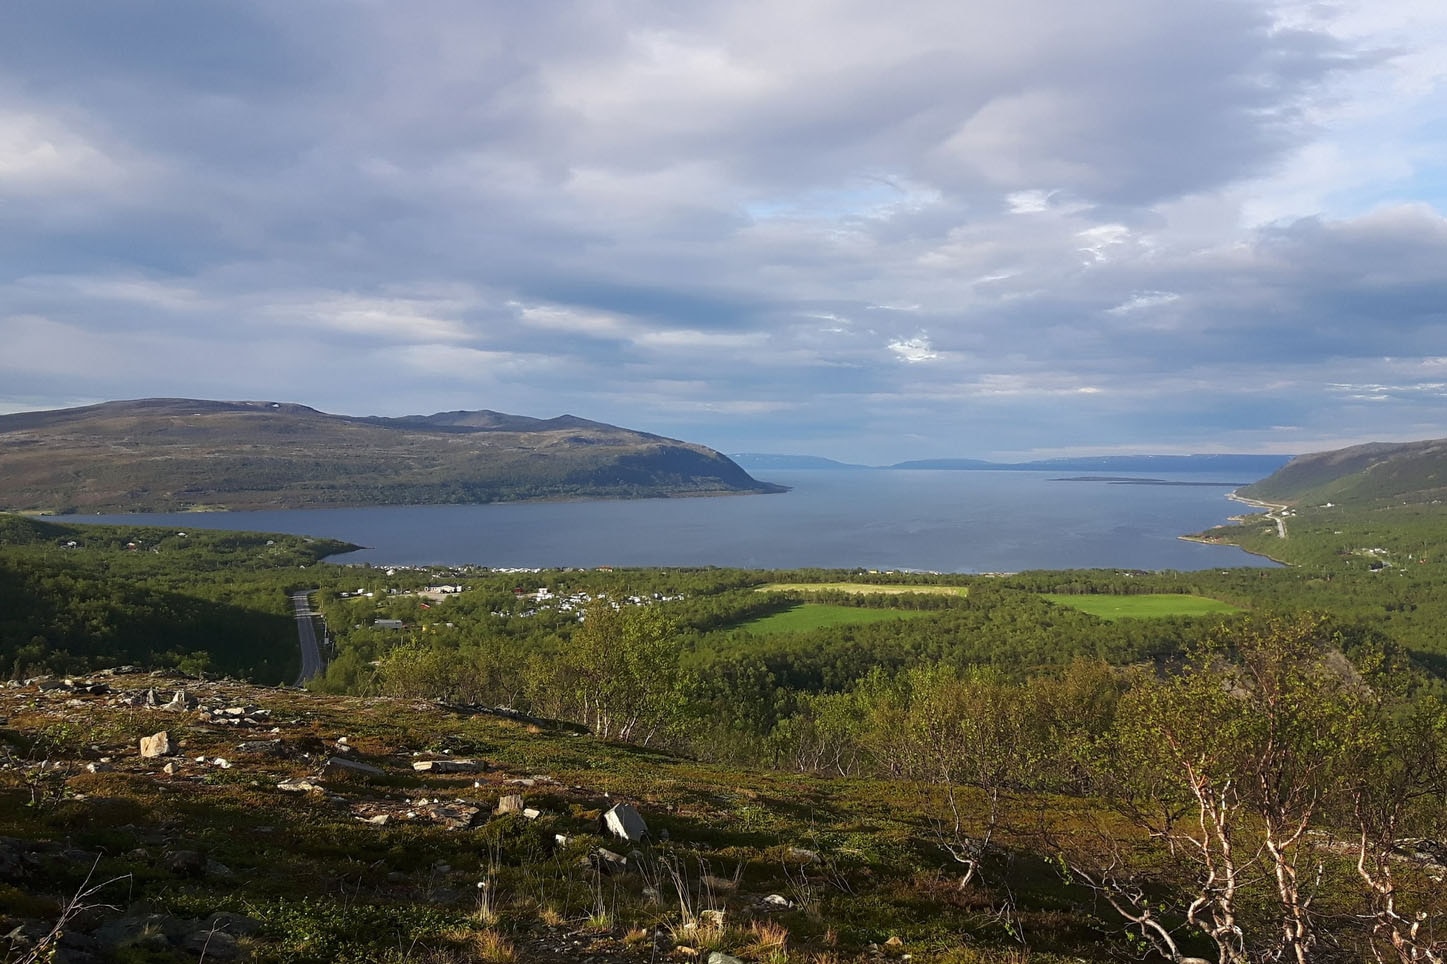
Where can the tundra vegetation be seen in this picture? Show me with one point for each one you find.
(1001, 775)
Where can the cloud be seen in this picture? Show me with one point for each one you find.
(914, 350)
(1122, 224)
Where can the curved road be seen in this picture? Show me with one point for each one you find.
(306, 634)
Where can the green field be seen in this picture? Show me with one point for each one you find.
(1152, 606)
(807, 616)
(862, 589)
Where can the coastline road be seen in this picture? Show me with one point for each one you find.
(306, 634)
(1275, 511)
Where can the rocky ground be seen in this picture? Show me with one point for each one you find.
(154, 817)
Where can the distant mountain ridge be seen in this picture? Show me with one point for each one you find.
(170, 454)
(1377, 472)
(1249, 467)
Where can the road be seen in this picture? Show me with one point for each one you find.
(306, 634)
(1275, 511)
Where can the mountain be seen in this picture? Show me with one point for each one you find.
(171, 454)
(1244, 466)
(1375, 473)
(1247, 466)
(758, 460)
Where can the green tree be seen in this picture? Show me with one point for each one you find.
(622, 671)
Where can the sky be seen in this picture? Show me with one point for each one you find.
(865, 231)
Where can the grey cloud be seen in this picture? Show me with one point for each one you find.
(679, 193)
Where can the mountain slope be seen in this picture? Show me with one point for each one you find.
(157, 455)
(1374, 473)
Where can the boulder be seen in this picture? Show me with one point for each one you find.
(624, 822)
(158, 744)
(448, 766)
(186, 863)
(336, 766)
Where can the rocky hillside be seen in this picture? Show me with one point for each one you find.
(160, 455)
(1374, 474)
(154, 817)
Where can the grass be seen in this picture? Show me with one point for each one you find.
(863, 589)
(321, 884)
(1149, 606)
(807, 616)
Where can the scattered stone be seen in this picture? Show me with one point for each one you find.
(448, 766)
(298, 785)
(169, 769)
(156, 745)
(453, 816)
(532, 814)
(718, 885)
(185, 863)
(624, 822)
(336, 765)
(212, 945)
(510, 803)
(607, 862)
(264, 747)
(179, 703)
(98, 767)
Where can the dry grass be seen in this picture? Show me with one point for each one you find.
(769, 942)
(494, 948)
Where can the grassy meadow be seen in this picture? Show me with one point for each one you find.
(1149, 606)
(809, 616)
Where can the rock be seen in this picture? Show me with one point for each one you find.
(156, 745)
(719, 957)
(379, 820)
(606, 861)
(532, 814)
(185, 863)
(336, 766)
(169, 769)
(453, 816)
(718, 885)
(264, 747)
(448, 766)
(180, 702)
(510, 803)
(298, 785)
(98, 767)
(624, 822)
(212, 945)
(777, 900)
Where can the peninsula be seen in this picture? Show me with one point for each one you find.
(175, 454)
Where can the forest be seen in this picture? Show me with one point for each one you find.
(1263, 784)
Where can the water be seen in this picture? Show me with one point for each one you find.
(946, 521)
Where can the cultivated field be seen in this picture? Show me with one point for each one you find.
(1151, 606)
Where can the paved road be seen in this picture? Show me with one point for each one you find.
(306, 634)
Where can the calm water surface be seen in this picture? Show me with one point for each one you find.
(947, 521)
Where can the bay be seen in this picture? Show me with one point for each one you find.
(935, 520)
